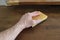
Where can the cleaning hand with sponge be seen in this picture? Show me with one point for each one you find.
(33, 18)
(26, 21)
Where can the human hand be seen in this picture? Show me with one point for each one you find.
(27, 20)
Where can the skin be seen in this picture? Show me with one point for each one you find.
(25, 22)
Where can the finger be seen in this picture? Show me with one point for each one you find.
(35, 13)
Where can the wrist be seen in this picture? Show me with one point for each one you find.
(21, 25)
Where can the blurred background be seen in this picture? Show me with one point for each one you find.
(47, 30)
(3, 2)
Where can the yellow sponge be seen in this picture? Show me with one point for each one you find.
(39, 18)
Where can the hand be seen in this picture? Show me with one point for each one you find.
(27, 20)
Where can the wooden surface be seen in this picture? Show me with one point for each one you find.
(47, 30)
(33, 2)
(39, 3)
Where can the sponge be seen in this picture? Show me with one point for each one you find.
(39, 18)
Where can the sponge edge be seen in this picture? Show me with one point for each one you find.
(39, 18)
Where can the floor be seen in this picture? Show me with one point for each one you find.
(47, 30)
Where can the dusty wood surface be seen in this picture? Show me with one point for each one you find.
(47, 30)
